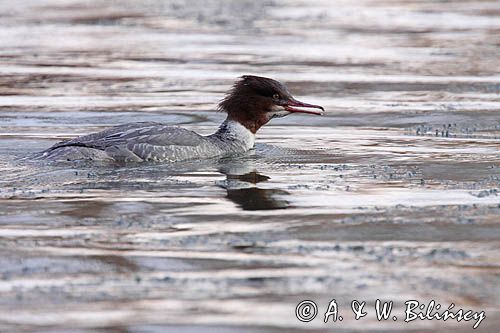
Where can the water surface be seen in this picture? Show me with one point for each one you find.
(393, 194)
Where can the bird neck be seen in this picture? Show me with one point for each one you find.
(232, 131)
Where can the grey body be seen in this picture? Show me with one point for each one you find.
(149, 141)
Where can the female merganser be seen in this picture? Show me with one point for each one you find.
(250, 104)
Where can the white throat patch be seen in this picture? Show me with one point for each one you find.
(238, 132)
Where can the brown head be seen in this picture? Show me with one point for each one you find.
(255, 100)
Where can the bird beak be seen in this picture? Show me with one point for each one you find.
(299, 107)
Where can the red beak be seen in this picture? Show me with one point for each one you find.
(293, 104)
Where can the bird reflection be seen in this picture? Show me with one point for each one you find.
(240, 184)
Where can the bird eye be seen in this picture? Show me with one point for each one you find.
(276, 96)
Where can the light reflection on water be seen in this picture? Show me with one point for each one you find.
(393, 194)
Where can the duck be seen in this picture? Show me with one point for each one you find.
(250, 104)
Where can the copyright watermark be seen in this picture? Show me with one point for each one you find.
(307, 311)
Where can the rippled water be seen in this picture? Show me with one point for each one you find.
(393, 194)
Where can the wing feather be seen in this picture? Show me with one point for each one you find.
(139, 133)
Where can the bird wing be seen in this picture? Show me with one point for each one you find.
(141, 140)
